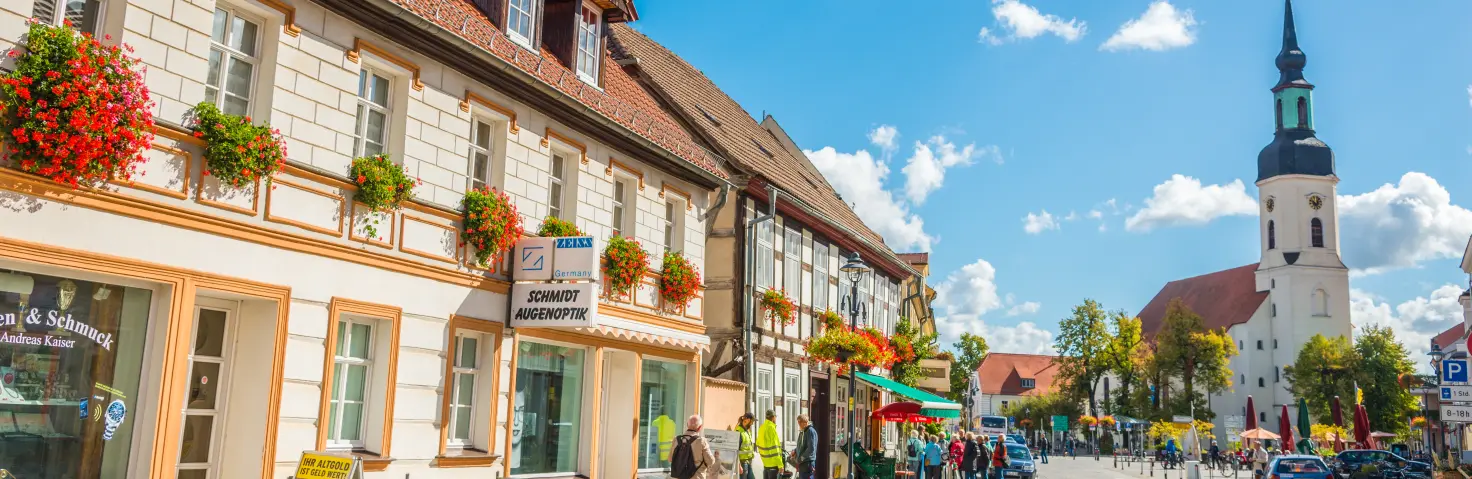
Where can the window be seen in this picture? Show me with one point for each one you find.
(1259, 345)
(1277, 374)
(1031, 383)
(792, 265)
(1279, 113)
(519, 16)
(1321, 302)
(1262, 416)
(204, 414)
(1272, 235)
(765, 263)
(1274, 308)
(462, 394)
(661, 411)
(791, 405)
(1239, 345)
(547, 419)
(83, 14)
(233, 50)
(556, 183)
(763, 391)
(1275, 344)
(371, 134)
(621, 188)
(820, 277)
(588, 51)
(1316, 231)
(481, 135)
(1243, 380)
(674, 225)
(351, 373)
(1302, 112)
(1261, 383)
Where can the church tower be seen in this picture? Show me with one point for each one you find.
(1301, 269)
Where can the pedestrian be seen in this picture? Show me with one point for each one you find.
(1260, 459)
(1043, 449)
(983, 456)
(957, 452)
(968, 457)
(746, 451)
(999, 458)
(769, 446)
(805, 456)
(691, 455)
(933, 460)
(915, 454)
(1070, 449)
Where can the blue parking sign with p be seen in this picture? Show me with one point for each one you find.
(1454, 371)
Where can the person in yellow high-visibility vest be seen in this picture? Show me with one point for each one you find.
(769, 445)
(664, 428)
(746, 451)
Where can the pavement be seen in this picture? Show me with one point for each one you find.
(1105, 468)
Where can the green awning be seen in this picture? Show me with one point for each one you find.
(930, 404)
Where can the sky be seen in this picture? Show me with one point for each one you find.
(1048, 151)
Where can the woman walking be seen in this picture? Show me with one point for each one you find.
(932, 458)
(957, 450)
(968, 457)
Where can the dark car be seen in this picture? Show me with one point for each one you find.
(1017, 438)
(1299, 467)
(1352, 460)
(1019, 463)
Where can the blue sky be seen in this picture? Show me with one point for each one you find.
(984, 112)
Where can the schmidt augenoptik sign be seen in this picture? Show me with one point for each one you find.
(555, 282)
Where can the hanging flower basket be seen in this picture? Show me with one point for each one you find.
(862, 349)
(74, 111)
(382, 186)
(1088, 420)
(1106, 421)
(624, 262)
(779, 307)
(1418, 422)
(237, 152)
(830, 319)
(490, 224)
(554, 227)
(678, 280)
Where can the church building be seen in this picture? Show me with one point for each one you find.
(1300, 287)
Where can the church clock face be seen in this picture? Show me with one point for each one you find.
(1269, 204)
(1315, 201)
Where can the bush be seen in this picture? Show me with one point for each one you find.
(490, 224)
(76, 112)
(237, 152)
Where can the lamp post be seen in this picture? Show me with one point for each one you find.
(855, 269)
(1436, 355)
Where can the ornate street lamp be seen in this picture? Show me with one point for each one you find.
(1436, 356)
(854, 268)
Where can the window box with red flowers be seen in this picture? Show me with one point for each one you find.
(778, 308)
(554, 227)
(237, 153)
(624, 263)
(491, 224)
(74, 111)
(678, 281)
(382, 188)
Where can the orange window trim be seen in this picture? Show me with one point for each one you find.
(597, 408)
(494, 330)
(289, 13)
(553, 134)
(471, 97)
(360, 45)
(634, 430)
(667, 188)
(613, 163)
(511, 387)
(337, 308)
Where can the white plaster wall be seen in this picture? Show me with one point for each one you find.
(1291, 215)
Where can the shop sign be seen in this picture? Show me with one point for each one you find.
(330, 466)
(564, 259)
(554, 305)
(533, 259)
(725, 445)
(52, 320)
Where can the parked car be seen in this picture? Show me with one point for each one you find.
(1352, 460)
(1019, 462)
(1017, 438)
(1299, 466)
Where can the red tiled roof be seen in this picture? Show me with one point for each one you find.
(621, 100)
(914, 258)
(736, 133)
(1223, 299)
(1002, 373)
(1449, 337)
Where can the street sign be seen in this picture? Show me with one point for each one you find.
(1454, 371)
(1181, 419)
(1060, 423)
(1456, 393)
(1236, 422)
(1454, 413)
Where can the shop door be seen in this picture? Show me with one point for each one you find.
(204, 409)
(822, 414)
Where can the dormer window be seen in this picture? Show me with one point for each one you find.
(590, 25)
(1029, 383)
(519, 25)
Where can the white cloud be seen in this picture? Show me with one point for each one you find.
(1029, 307)
(1096, 214)
(1182, 200)
(1469, 94)
(883, 137)
(1021, 21)
(967, 295)
(1072, 215)
(859, 178)
(925, 171)
(1038, 223)
(1402, 225)
(1161, 27)
(1415, 321)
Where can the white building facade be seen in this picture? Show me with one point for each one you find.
(246, 325)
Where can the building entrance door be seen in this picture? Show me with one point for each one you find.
(209, 370)
(822, 415)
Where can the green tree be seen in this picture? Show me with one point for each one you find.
(908, 336)
(1382, 362)
(1083, 352)
(968, 353)
(1324, 368)
(1126, 352)
(1197, 356)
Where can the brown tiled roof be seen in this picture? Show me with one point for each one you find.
(914, 258)
(1002, 373)
(726, 124)
(1223, 299)
(1449, 337)
(621, 100)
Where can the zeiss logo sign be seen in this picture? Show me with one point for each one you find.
(567, 243)
(575, 258)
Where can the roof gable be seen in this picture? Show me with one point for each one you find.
(1223, 299)
(1002, 373)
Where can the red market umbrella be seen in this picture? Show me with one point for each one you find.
(1285, 428)
(1361, 427)
(902, 412)
(1251, 415)
(1338, 414)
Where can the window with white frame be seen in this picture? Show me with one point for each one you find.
(84, 15)
(481, 134)
(520, 17)
(589, 24)
(623, 206)
(792, 263)
(557, 182)
(351, 374)
(820, 277)
(234, 47)
(674, 225)
(371, 132)
(463, 385)
(763, 390)
(866, 300)
(765, 263)
(791, 405)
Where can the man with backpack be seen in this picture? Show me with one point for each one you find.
(914, 451)
(691, 457)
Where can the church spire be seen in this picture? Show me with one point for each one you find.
(1291, 59)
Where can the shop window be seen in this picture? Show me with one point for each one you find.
(205, 406)
(547, 423)
(234, 54)
(62, 340)
(623, 188)
(674, 225)
(662, 411)
(371, 131)
(84, 15)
